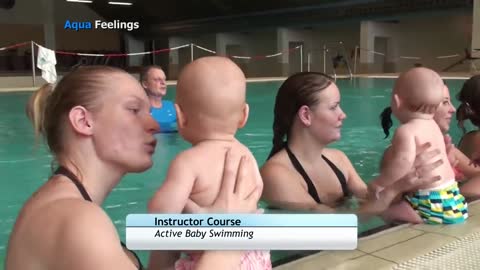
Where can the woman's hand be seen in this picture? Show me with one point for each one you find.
(238, 193)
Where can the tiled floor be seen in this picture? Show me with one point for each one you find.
(386, 249)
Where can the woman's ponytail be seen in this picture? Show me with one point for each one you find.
(386, 120)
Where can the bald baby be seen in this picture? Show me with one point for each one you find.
(416, 95)
(211, 107)
(421, 89)
(211, 93)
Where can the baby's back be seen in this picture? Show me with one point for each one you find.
(428, 131)
(208, 159)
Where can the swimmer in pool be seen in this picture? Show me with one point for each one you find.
(211, 106)
(154, 82)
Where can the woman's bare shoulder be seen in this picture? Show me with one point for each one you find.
(276, 168)
(470, 136)
(68, 212)
(335, 155)
(469, 143)
(65, 226)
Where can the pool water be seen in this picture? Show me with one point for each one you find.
(25, 165)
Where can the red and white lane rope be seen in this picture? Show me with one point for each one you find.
(119, 54)
(412, 57)
(14, 46)
(248, 57)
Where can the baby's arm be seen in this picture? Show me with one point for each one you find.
(401, 158)
(173, 194)
(171, 197)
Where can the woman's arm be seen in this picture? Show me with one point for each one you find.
(464, 164)
(355, 184)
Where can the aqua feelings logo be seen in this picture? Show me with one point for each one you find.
(115, 25)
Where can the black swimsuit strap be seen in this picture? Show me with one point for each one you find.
(67, 173)
(140, 265)
(340, 176)
(311, 187)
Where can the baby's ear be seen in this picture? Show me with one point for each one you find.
(244, 117)
(181, 119)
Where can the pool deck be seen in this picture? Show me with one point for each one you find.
(387, 249)
(25, 83)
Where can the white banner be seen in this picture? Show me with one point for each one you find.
(241, 238)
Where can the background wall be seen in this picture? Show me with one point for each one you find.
(424, 37)
(405, 41)
(42, 21)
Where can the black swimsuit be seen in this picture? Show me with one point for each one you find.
(67, 173)
(311, 187)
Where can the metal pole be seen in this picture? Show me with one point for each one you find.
(33, 63)
(308, 62)
(301, 58)
(153, 49)
(325, 59)
(355, 63)
(191, 52)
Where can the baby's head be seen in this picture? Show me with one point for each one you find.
(210, 99)
(417, 92)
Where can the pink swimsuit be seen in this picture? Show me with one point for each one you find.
(252, 260)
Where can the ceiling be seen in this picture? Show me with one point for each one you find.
(163, 18)
(164, 12)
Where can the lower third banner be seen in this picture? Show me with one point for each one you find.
(242, 232)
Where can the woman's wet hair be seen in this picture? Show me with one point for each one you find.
(36, 106)
(298, 90)
(469, 98)
(48, 107)
(386, 120)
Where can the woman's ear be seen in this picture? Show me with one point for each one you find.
(305, 116)
(245, 112)
(81, 120)
(181, 118)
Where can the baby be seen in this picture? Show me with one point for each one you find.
(211, 106)
(416, 95)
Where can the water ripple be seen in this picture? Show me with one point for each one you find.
(126, 188)
(113, 206)
(17, 160)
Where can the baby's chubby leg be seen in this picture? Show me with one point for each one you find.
(402, 211)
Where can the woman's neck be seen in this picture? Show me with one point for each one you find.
(306, 147)
(97, 178)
